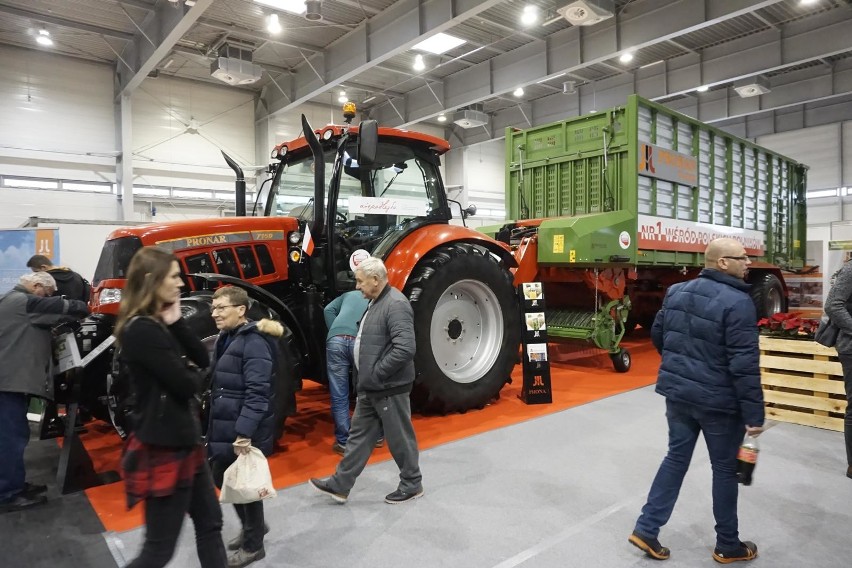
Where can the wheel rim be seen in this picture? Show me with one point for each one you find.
(773, 301)
(466, 331)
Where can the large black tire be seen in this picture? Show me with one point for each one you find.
(467, 324)
(767, 292)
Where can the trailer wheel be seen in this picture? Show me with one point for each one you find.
(621, 360)
(467, 325)
(767, 294)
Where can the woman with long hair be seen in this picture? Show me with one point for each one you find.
(164, 461)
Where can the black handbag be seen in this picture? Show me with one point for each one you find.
(826, 334)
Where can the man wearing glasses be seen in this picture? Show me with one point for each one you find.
(710, 375)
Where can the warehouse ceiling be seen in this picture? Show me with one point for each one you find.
(795, 52)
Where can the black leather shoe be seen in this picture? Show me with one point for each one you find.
(22, 501)
(237, 542)
(400, 496)
(34, 488)
(849, 472)
(323, 487)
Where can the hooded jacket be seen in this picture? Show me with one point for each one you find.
(242, 390)
(707, 334)
(70, 284)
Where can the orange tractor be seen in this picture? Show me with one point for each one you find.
(334, 191)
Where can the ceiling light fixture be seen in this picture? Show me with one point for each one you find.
(807, 2)
(273, 24)
(626, 57)
(43, 38)
(439, 43)
(292, 6)
(189, 3)
(702, 89)
(419, 64)
(530, 15)
(442, 117)
(343, 98)
(519, 92)
(752, 87)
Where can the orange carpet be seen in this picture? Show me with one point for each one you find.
(577, 378)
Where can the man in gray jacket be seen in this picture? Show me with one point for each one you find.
(26, 361)
(384, 360)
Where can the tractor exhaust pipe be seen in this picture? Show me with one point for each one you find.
(239, 186)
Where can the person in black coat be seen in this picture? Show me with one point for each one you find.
(68, 283)
(164, 462)
(242, 409)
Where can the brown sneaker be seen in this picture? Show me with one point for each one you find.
(747, 551)
(651, 546)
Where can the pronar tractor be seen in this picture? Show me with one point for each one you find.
(612, 208)
(332, 192)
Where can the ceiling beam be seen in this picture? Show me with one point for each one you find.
(388, 33)
(573, 49)
(166, 25)
(71, 24)
(794, 88)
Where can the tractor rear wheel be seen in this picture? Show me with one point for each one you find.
(768, 295)
(467, 325)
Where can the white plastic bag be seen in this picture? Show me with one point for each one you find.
(247, 479)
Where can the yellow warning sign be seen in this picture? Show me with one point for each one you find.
(558, 244)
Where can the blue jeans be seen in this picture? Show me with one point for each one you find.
(723, 434)
(14, 436)
(340, 356)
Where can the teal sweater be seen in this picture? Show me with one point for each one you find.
(344, 312)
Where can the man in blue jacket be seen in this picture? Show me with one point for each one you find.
(384, 359)
(707, 334)
(242, 409)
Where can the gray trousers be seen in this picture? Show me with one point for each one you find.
(393, 413)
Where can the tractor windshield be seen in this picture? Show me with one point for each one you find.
(401, 187)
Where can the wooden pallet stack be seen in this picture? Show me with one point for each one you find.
(802, 383)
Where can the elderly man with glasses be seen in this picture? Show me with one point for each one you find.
(710, 376)
(27, 312)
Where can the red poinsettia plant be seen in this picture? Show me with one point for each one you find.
(788, 325)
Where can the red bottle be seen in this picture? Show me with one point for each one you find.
(747, 459)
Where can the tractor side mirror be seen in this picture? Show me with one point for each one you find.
(368, 142)
(470, 211)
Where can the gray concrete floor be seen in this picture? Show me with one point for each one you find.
(562, 490)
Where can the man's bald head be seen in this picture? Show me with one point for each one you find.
(727, 255)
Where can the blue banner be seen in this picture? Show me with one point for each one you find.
(16, 248)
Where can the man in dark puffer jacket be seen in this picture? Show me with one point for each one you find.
(707, 334)
(242, 410)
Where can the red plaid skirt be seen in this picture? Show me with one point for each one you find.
(157, 471)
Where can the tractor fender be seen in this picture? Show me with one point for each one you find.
(411, 250)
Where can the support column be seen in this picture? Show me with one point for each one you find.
(124, 160)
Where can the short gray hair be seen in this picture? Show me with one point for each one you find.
(43, 278)
(372, 266)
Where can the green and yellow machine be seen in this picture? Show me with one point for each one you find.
(610, 209)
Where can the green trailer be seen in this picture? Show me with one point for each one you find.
(610, 209)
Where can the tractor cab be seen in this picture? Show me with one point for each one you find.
(355, 187)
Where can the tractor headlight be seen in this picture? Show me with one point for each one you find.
(295, 237)
(109, 296)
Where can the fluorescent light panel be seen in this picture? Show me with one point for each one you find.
(439, 43)
(292, 6)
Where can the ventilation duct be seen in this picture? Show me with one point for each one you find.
(587, 12)
(471, 117)
(234, 66)
(312, 10)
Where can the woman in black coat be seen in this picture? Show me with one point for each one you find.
(164, 462)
